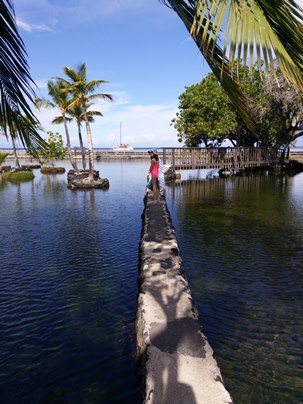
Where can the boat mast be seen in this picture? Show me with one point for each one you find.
(120, 132)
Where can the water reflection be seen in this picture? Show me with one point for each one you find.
(241, 242)
(68, 283)
(68, 291)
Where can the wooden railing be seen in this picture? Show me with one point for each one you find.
(191, 158)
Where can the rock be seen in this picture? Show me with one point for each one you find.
(175, 361)
(80, 179)
(31, 166)
(6, 168)
(171, 174)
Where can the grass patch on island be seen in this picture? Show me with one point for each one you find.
(18, 176)
(52, 170)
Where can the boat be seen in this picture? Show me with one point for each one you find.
(122, 146)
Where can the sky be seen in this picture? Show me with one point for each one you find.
(140, 47)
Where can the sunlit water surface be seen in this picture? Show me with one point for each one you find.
(68, 288)
(241, 240)
(68, 283)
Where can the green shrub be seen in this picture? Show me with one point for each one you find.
(52, 170)
(18, 176)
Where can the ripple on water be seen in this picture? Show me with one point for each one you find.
(68, 261)
(243, 260)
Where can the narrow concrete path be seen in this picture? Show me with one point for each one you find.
(175, 359)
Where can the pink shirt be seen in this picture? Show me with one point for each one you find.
(154, 170)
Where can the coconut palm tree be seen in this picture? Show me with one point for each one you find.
(228, 31)
(83, 94)
(16, 89)
(76, 113)
(60, 98)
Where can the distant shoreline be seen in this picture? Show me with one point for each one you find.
(95, 148)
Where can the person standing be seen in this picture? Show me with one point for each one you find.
(154, 172)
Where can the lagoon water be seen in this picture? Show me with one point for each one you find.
(68, 283)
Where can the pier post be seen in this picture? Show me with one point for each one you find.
(176, 362)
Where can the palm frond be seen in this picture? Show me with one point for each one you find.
(92, 113)
(207, 42)
(44, 103)
(58, 120)
(249, 30)
(102, 96)
(16, 84)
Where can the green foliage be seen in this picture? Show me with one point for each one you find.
(281, 114)
(52, 170)
(3, 156)
(18, 176)
(54, 150)
(16, 91)
(249, 30)
(205, 114)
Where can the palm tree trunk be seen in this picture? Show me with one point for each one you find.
(89, 146)
(81, 146)
(15, 153)
(71, 158)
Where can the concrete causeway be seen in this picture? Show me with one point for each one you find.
(175, 360)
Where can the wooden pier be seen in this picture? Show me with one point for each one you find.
(191, 158)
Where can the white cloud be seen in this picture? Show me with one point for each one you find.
(142, 125)
(41, 84)
(120, 97)
(76, 11)
(32, 27)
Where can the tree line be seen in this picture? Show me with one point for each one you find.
(207, 117)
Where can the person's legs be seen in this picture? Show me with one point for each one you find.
(155, 189)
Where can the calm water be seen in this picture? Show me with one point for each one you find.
(68, 284)
(68, 289)
(241, 240)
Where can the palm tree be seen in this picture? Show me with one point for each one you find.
(60, 98)
(16, 89)
(266, 30)
(76, 113)
(17, 162)
(83, 94)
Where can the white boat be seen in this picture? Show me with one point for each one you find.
(122, 146)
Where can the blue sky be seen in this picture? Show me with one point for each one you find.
(140, 46)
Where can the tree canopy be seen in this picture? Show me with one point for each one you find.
(207, 116)
(228, 31)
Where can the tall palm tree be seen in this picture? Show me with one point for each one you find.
(226, 31)
(60, 98)
(83, 94)
(76, 113)
(16, 85)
